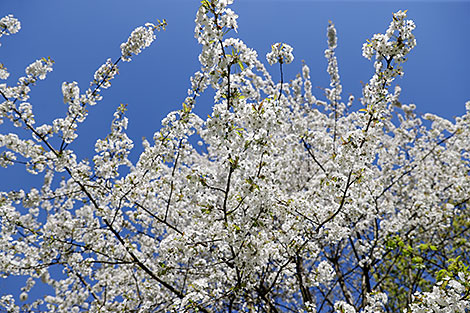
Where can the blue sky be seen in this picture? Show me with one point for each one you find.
(80, 35)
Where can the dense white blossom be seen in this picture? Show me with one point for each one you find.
(140, 38)
(104, 74)
(39, 68)
(287, 203)
(448, 296)
(3, 72)
(9, 25)
(326, 272)
(70, 91)
(280, 52)
(343, 307)
(331, 34)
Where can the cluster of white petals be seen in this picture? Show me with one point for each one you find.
(390, 51)
(326, 273)
(213, 19)
(113, 151)
(395, 44)
(331, 34)
(333, 94)
(9, 25)
(3, 72)
(70, 91)
(20, 92)
(375, 302)
(39, 68)
(450, 295)
(104, 74)
(280, 52)
(343, 307)
(140, 38)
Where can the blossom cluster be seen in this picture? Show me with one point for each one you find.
(396, 43)
(390, 51)
(3, 72)
(448, 295)
(36, 70)
(280, 52)
(39, 68)
(9, 25)
(333, 94)
(140, 38)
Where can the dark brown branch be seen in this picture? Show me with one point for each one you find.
(313, 156)
(341, 205)
(157, 218)
(282, 81)
(227, 190)
(172, 177)
(306, 295)
(340, 279)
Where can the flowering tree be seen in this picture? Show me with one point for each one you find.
(286, 204)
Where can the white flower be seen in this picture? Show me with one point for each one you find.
(23, 296)
(40, 68)
(343, 307)
(8, 303)
(325, 272)
(10, 24)
(140, 38)
(375, 302)
(70, 91)
(3, 72)
(104, 74)
(229, 20)
(397, 41)
(331, 34)
(281, 53)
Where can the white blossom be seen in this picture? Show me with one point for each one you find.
(280, 52)
(23, 296)
(140, 38)
(326, 272)
(39, 68)
(9, 25)
(331, 34)
(70, 91)
(449, 295)
(3, 72)
(343, 307)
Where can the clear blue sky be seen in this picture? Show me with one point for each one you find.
(81, 35)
